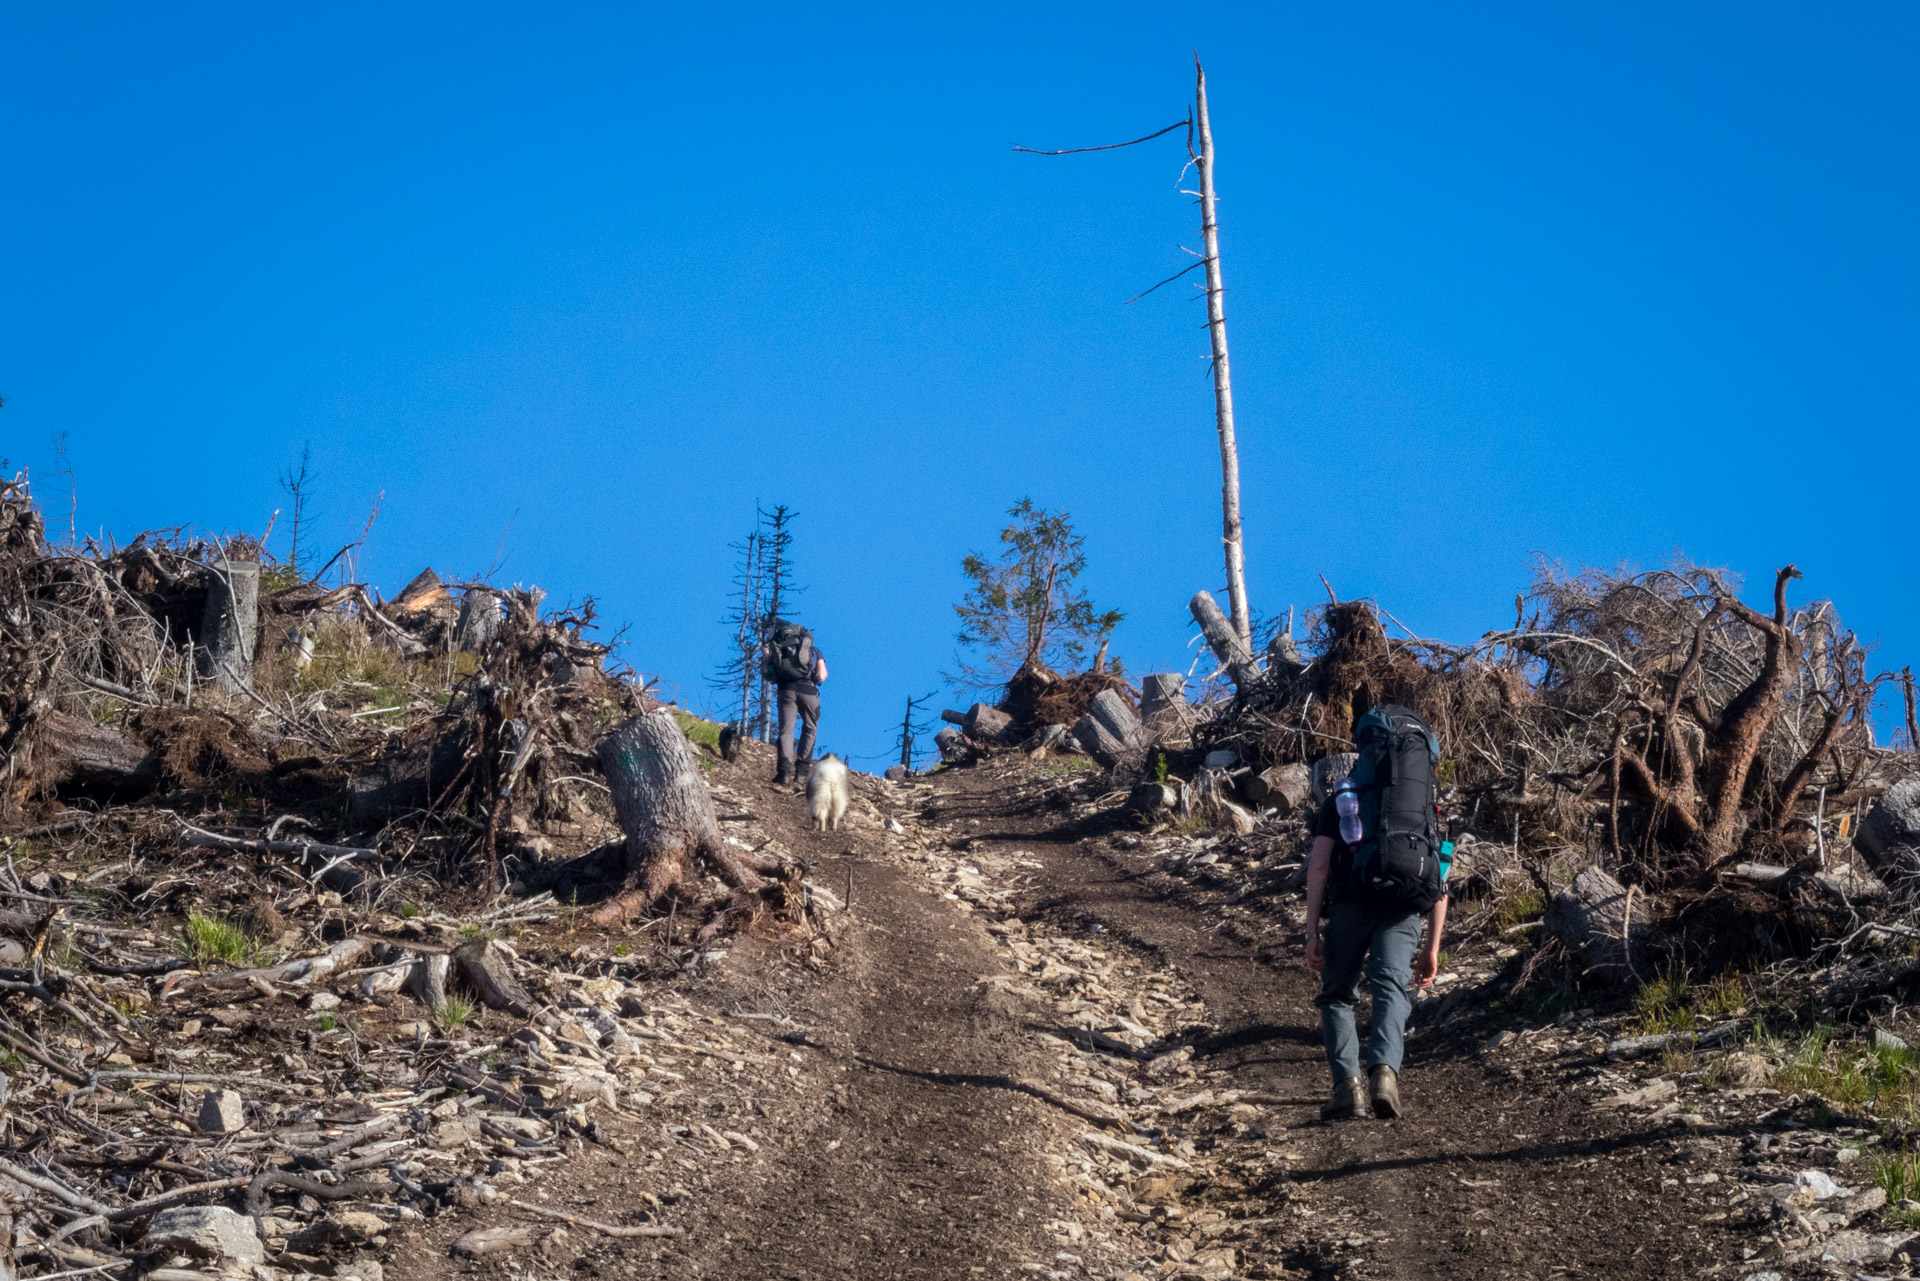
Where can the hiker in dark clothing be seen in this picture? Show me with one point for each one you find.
(797, 670)
(1374, 921)
(1385, 945)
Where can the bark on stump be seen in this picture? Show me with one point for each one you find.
(1327, 773)
(1117, 717)
(231, 624)
(1099, 741)
(986, 724)
(1163, 699)
(480, 620)
(666, 811)
(1591, 917)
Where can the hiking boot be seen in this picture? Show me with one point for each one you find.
(1345, 1101)
(1385, 1092)
(780, 778)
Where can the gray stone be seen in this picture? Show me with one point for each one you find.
(1222, 758)
(1889, 836)
(321, 1002)
(209, 1231)
(1170, 1062)
(223, 1112)
(896, 773)
(1885, 1040)
(342, 1227)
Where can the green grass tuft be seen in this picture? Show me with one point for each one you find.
(1520, 908)
(453, 1012)
(215, 938)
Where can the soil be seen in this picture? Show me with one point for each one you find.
(908, 1109)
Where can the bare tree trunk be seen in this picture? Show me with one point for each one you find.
(666, 811)
(1234, 654)
(1222, 380)
(231, 623)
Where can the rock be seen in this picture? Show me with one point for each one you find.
(491, 1241)
(359, 1270)
(1889, 836)
(1866, 1201)
(892, 824)
(321, 1002)
(1818, 1182)
(1885, 1040)
(1591, 916)
(1327, 772)
(1499, 1040)
(1852, 1249)
(223, 1112)
(1223, 758)
(1170, 1062)
(342, 1227)
(1654, 1091)
(209, 1231)
(1744, 1071)
(896, 773)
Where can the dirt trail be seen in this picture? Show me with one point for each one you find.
(901, 1130)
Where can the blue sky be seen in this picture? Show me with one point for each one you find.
(1596, 284)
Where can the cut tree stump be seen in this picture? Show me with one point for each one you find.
(666, 811)
(1327, 773)
(1100, 742)
(484, 965)
(1163, 700)
(480, 620)
(1591, 918)
(1283, 787)
(1117, 716)
(231, 624)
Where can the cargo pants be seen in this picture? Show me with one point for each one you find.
(807, 708)
(1358, 937)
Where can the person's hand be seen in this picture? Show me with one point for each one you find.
(1425, 966)
(1316, 953)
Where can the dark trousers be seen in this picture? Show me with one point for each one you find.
(792, 701)
(1381, 945)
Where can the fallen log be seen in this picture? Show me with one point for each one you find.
(72, 756)
(288, 974)
(986, 724)
(1283, 787)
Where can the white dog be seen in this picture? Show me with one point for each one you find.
(827, 792)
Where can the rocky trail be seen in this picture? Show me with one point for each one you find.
(1041, 1045)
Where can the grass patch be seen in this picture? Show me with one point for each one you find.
(1850, 1074)
(1191, 825)
(1521, 908)
(700, 731)
(1061, 766)
(453, 1012)
(215, 938)
(1671, 1004)
(1898, 1174)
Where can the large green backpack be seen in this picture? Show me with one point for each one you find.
(1396, 865)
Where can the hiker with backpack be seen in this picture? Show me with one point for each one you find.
(797, 669)
(1378, 868)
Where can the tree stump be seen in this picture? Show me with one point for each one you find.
(666, 811)
(1591, 917)
(1117, 716)
(231, 623)
(1163, 699)
(1283, 787)
(480, 621)
(1327, 773)
(1100, 742)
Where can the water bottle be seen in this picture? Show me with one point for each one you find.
(1348, 807)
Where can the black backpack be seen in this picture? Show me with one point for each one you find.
(791, 658)
(1397, 863)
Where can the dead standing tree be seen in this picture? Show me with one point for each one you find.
(1200, 155)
